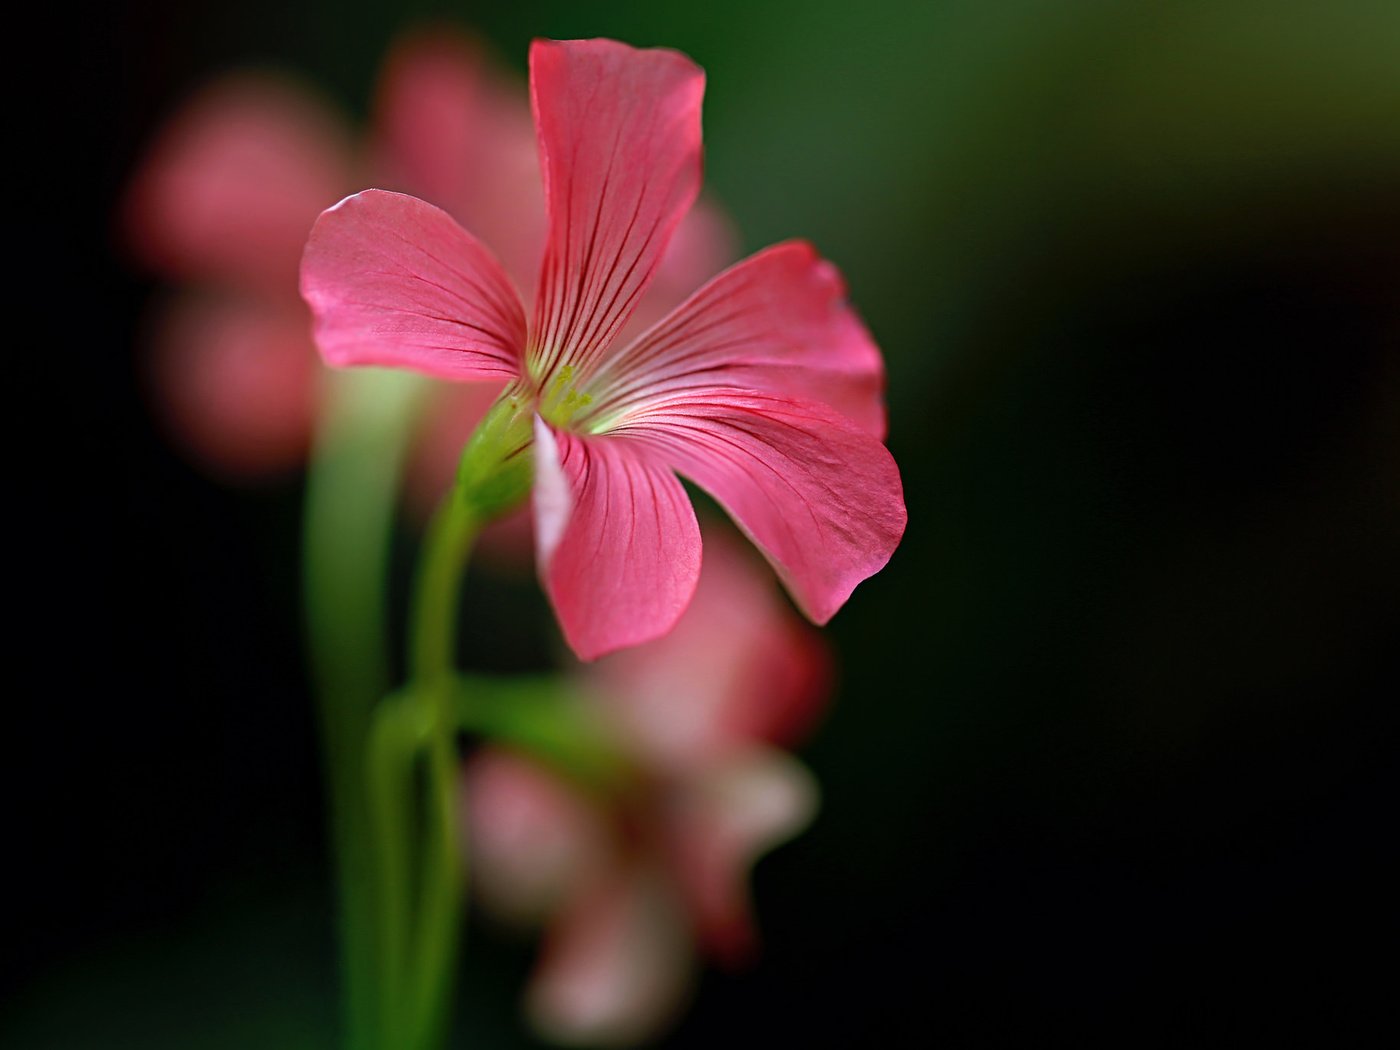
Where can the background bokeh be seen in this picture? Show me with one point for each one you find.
(1114, 750)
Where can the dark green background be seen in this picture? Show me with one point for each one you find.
(1113, 754)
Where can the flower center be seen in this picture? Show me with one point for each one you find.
(560, 400)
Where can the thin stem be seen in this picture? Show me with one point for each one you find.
(434, 629)
(434, 633)
(350, 494)
(444, 883)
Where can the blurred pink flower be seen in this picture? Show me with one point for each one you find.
(763, 387)
(221, 206)
(634, 883)
(223, 202)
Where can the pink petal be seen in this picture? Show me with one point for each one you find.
(529, 839)
(455, 130)
(617, 966)
(740, 667)
(778, 321)
(720, 825)
(619, 133)
(232, 185)
(394, 281)
(236, 379)
(619, 547)
(819, 496)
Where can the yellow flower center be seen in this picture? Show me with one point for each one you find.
(561, 400)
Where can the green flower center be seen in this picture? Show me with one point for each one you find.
(560, 400)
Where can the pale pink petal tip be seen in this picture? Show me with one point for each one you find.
(725, 821)
(619, 546)
(617, 967)
(528, 836)
(392, 280)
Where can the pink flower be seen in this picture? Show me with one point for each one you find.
(222, 204)
(764, 387)
(224, 200)
(634, 883)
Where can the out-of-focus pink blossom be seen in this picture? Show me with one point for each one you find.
(221, 205)
(227, 193)
(231, 185)
(234, 372)
(637, 880)
(763, 387)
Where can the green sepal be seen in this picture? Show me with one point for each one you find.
(497, 469)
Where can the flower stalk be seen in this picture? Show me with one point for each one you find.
(419, 920)
(447, 548)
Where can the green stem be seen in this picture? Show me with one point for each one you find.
(434, 633)
(446, 548)
(419, 930)
(350, 496)
(548, 718)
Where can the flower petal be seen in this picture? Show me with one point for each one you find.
(740, 667)
(619, 134)
(778, 321)
(232, 185)
(619, 547)
(820, 497)
(236, 378)
(394, 281)
(617, 966)
(720, 824)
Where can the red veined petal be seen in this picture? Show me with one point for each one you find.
(819, 496)
(619, 136)
(394, 281)
(619, 546)
(778, 321)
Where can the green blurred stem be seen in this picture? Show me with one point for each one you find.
(394, 741)
(350, 498)
(547, 718)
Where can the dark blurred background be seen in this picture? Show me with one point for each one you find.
(1113, 754)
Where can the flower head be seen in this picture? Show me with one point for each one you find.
(635, 880)
(764, 388)
(222, 204)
